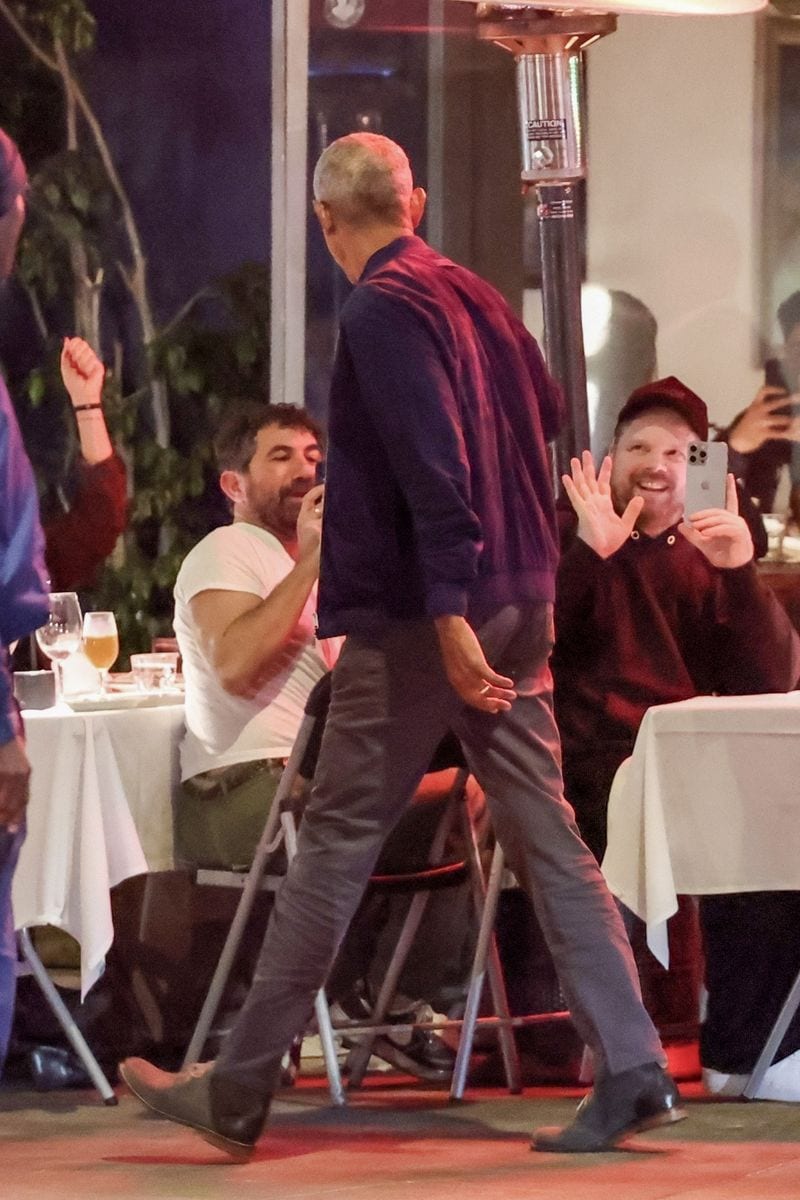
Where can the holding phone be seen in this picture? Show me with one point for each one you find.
(706, 476)
(774, 377)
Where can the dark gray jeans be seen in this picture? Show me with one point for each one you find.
(391, 705)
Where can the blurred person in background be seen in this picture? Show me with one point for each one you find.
(23, 599)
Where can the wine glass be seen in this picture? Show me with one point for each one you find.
(61, 635)
(101, 643)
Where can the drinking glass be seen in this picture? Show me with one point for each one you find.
(101, 643)
(61, 635)
(775, 525)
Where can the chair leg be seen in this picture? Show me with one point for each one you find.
(324, 1025)
(486, 960)
(266, 847)
(358, 1059)
(62, 1014)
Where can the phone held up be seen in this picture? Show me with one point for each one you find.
(706, 476)
(774, 377)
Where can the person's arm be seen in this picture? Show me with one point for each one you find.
(756, 647)
(15, 771)
(81, 538)
(83, 374)
(410, 400)
(762, 421)
(242, 635)
(552, 405)
(23, 598)
(589, 492)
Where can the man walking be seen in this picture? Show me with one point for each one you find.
(438, 559)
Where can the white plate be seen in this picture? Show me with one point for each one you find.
(125, 699)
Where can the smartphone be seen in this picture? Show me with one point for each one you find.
(706, 476)
(773, 374)
(319, 473)
(774, 377)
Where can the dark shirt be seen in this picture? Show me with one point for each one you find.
(656, 623)
(438, 495)
(79, 540)
(23, 585)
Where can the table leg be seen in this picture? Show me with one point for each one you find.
(61, 1012)
(790, 1006)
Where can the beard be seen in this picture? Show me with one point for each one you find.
(279, 512)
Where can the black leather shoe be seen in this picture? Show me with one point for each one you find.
(54, 1067)
(424, 1054)
(226, 1114)
(638, 1099)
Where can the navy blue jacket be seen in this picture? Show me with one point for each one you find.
(438, 496)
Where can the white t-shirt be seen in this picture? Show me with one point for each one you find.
(223, 729)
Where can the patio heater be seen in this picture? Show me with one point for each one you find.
(548, 40)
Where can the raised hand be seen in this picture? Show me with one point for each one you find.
(82, 372)
(599, 524)
(309, 523)
(720, 533)
(760, 422)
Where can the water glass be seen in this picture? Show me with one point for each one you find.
(61, 635)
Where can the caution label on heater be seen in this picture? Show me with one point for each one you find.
(547, 129)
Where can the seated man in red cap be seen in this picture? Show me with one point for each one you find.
(654, 606)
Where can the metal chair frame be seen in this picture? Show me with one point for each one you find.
(280, 828)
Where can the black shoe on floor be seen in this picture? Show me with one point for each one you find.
(55, 1067)
(425, 1055)
(422, 1053)
(227, 1115)
(641, 1098)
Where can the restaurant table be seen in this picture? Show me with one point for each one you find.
(100, 812)
(708, 803)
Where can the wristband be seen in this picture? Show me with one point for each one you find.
(85, 407)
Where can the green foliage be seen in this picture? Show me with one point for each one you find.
(215, 350)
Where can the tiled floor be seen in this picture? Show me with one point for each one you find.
(394, 1141)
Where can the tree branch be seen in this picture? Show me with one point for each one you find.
(22, 33)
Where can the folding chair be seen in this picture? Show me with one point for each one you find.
(280, 829)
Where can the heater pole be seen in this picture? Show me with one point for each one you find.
(548, 48)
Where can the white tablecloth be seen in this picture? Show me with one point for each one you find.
(100, 811)
(708, 803)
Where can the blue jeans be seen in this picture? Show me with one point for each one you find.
(9, 853)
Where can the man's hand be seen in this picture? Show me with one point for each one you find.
(467, 669)
(82, 372)
(309, 524)
(599, 525)
(720, 533)
(759, 422)
(15, 771)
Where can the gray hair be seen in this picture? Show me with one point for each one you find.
(365, 178)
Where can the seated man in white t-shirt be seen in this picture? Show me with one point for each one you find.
(244, 618)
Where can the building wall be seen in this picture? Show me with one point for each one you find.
(673, 195)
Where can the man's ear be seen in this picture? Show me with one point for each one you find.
(324, 216)
(231, 484)
(417, 205)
